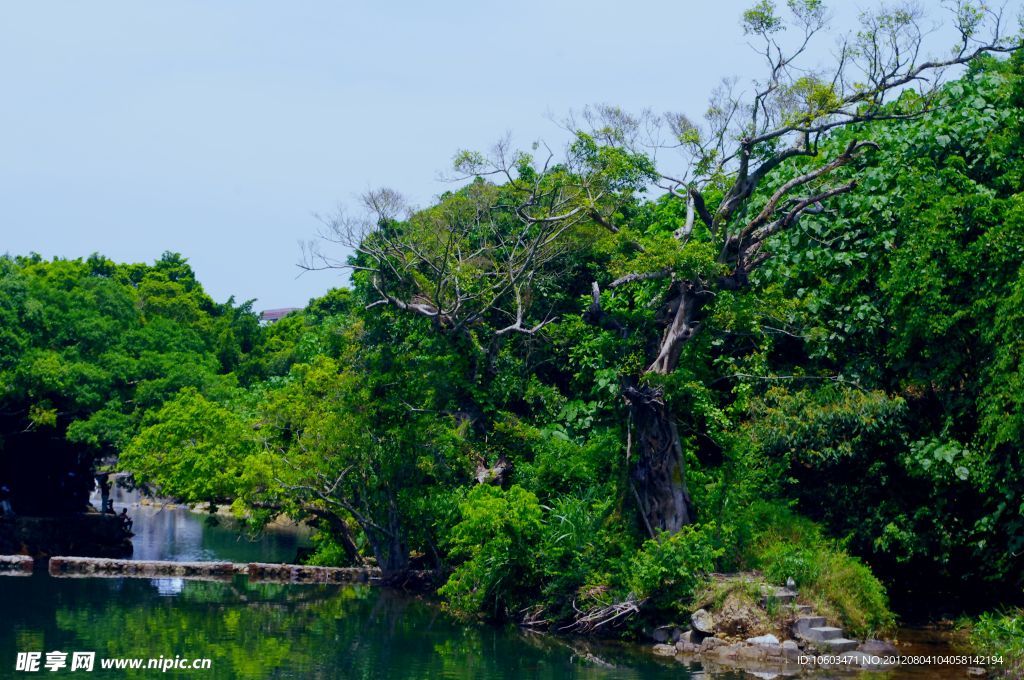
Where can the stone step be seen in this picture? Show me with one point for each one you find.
(838, 645)
(780, 595)
(805, 623)
(822, 633)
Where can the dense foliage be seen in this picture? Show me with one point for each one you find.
(491, 397)
(88, 349)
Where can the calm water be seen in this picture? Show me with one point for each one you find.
(175, 533)
(271, 630)
(278, 631)
(291, 631)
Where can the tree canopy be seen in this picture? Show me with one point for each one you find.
(578, 382)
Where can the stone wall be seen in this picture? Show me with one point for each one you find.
(256, 571)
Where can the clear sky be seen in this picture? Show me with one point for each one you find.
(216, 128)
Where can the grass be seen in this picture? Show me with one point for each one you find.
(838, 585)
(1001, 634)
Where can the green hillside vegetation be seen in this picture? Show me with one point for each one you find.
(573, 395)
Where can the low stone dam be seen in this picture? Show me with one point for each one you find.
(66, 566)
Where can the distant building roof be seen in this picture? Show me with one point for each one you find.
(272, 315)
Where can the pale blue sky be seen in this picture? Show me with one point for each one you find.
(217, 127)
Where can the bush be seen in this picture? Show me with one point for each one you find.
(497, 538)
(668, 571)
(781, 561)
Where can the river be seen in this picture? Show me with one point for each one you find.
(260, 630)
(251, 630)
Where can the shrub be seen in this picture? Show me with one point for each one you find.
(496, 538)
(667, 572)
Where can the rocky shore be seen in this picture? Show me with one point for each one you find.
(771, 633)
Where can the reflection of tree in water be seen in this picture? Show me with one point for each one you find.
(277, 631)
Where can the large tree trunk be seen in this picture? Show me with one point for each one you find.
(658, 473)
(388, 546)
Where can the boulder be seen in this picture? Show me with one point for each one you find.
(790, 650)
(702, 622)
(977, 672)
(741, 617)
(764, 641)
(665, 650)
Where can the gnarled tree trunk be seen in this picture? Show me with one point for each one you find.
(658, 472)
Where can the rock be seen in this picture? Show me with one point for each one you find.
(665, 650)
(739, 616)
(764, 641)
(685, 637)
(728, 651)
(752, 653)
(702, 622)
(662, 634)
(790, 650)
(710, 643)
(977, 672)
(878, 648)
(686, 647)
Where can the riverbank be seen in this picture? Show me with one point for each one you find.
(744, 623)
(710, 644)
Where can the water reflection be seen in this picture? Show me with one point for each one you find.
(175, 533)
(287, 631)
